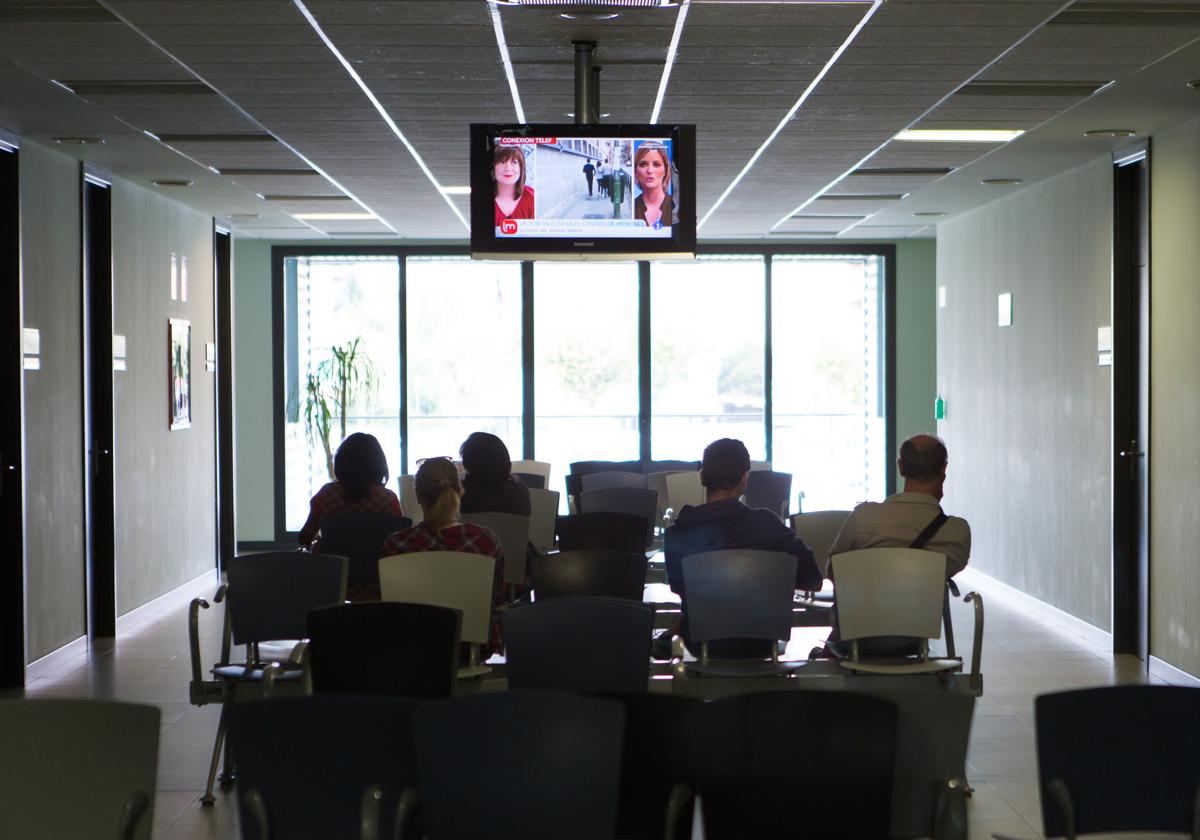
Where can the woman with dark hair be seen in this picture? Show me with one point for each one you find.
(361, 471)
(489, 485)
(514, 200)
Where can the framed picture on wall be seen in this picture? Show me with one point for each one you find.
(179, 372)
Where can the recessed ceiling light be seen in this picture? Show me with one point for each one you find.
(571, 114)
(929, 214)
(959, 135)
(456, 190)
(79, 141)
(591, 17)
(861, 197)
(1110, 132)
(171, 182)
(243, 216)
(902, 171)
(333, 217)
(1001, 182)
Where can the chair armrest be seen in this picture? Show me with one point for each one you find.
(681, 796)
(135, 808)
(406, 810)
(977, 645)
(194, 636)
(953, 587)
(253, 802)
(299, 655)
(226, 628)
(368, 813)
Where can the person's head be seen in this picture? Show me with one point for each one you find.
(724, 469)
(652, 168)
(508, 171)
(922, 462)
(438, 491)
(359, 464)
(485, 459)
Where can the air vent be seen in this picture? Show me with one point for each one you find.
(260, 172)
(863, 197)
(139, 88)
(1131, 14)
(55, 11)
(798, 233)
(576, 5)
(903, 171)
(846, 217)
(215, 138)
(1031, 88)
(298, 198)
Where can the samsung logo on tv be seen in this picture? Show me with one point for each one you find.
(584, 244)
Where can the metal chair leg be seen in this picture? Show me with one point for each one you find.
(208, 798)
(228, 770)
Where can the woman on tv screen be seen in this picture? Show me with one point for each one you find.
(652, 169)
(514, 200)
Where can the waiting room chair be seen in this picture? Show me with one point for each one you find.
(819, 530)
(1119, 759)
(784, 764)
(639, 502)
(579, 644)
(513, 533)
(590, 574)
(77, 769)
(658, 483)
(358, 536)
(657, 767)
(602, 531)
(543, 511)
(684, 488)
(384, 647)
(519, 764)
(760, 466)
(408, 498)
(453, 579)
(605, 480)
(739, 594)
(769, 489)
(268, 598)
(669, 465)
(531, 480)
(328, 766)
(585, 467)
(529, 467)
(897, 592)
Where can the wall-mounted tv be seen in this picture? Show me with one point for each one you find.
(563, 191)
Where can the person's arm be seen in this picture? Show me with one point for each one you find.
(673, 559)
(312, 525)
(958, 545)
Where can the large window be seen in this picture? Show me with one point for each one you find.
(707, 329)
(464, 354)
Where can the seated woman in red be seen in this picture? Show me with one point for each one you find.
(361, 470)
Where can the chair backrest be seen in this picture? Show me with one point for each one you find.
(604, 480)
(382, 647)
(771, 490)
(669, 465)
(513, 532)
(312, 758)
(531, 480)
(550, 761)
(543, 511)
(657, 754)
(637, 501)
(658, 483)
(585, 467)
(759, 466)
(358, 536)
(528, 467)
(445, 579)
(590, 574)
(1126, 754)
(836, 773)
(739, 593)
(408, 498)
(271, 594)
(602, 531)
(819, 529)
(579, 644)
(71, 768)
(684, 488)
(889, 592)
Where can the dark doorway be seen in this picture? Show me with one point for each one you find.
(98, 363)
(12, 406)
(1131, 403)
(223, 302)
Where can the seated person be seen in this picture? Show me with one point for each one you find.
(361, 471)
(909, 519)
(723, 521)
(489, 486)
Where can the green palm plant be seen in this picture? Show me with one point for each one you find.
(344, 378)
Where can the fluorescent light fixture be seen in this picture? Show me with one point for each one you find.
(787, 118)
(1000, 182)
(1110, 132)
(506, 60)
(374, 100)
(333, 217)
(929, 214)
(79, 141)
(171, 182)
(671, 50)
(959, 135)
(456, 190)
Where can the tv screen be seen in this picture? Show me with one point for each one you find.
(568, 191)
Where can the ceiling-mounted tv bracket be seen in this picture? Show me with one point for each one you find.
(587, 84)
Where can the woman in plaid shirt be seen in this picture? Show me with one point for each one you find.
(361, 470)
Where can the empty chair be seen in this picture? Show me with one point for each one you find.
(446, 579)
(1119, 759)
(658, 483)
(543, 511)
(329, 766)
(408, 498)
(531, 480)
(268, 599)
(669, 465)
(410, 650)
(684, 488)
(759, 466)
(639, 502)
(738, 594)
(585, 467)
(357, 536)
(769, 489)
(579, 644)
(590, 574)
(657, 762)
(78, 768)
(513, 532)
(604, 480)
(539, 468)
(519, 764)
(602, 531)
(819, 529)
(795, 764)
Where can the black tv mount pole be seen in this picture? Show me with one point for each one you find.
(587, 84)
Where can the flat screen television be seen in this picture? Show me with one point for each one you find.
(578, 192)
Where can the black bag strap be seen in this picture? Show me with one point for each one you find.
(930, 529)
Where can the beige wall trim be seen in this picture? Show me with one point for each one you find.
(1169, 673)
(199, 587)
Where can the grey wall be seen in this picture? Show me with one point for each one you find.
(55, 563)
(1175, 397)
(1028, 420)
(916, 337)
(166, 523)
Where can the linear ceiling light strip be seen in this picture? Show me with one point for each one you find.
(383, 114)
(502, 44)
(866, 18)
(671, 50)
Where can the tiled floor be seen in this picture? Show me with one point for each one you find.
(149, 663)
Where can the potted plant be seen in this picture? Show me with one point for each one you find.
(346, 376)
